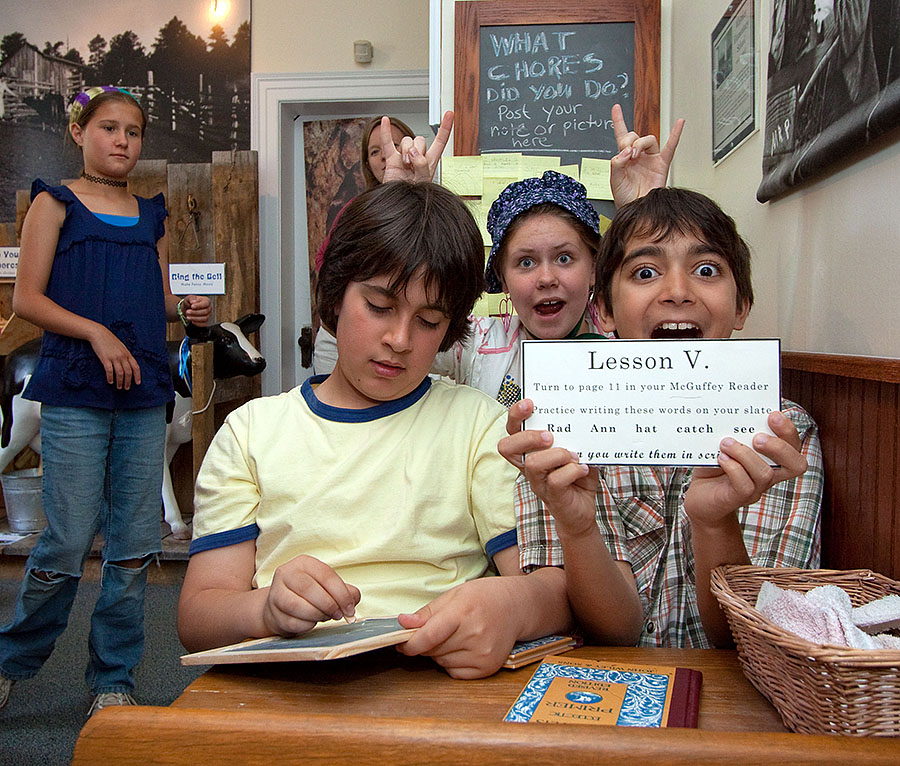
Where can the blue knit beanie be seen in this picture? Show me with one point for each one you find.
(520, 196)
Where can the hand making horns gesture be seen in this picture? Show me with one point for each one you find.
(413, 162)
(640, 165)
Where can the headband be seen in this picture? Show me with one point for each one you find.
(520, 196)
(84, 98)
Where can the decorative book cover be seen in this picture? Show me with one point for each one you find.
(526, 652)
(571, 690)
(327, 641)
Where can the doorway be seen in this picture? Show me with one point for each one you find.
(280, 106)
(332, 176)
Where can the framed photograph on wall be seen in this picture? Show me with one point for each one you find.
(733, 78)
(832, 86)
(188, 64)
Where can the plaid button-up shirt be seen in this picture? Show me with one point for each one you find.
(640, 512)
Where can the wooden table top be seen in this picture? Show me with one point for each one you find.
(381, 709)
(388, 684)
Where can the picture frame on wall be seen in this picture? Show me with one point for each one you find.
(734, 67)
(833, 86)
(187, 64)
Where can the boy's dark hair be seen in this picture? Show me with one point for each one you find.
(400, 228)
(661, 213)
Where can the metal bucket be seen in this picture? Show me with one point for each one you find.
(22, 496)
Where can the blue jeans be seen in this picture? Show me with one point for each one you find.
(102, 473)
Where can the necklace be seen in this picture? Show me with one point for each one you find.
(106, 181)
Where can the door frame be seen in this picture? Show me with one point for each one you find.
(278, 100)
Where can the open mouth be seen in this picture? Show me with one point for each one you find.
(668, 330)
(549, 308)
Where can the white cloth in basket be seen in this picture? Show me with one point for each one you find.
(825, 615)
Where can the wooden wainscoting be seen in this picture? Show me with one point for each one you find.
(856, 402)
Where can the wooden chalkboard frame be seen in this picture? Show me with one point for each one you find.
(472, 16)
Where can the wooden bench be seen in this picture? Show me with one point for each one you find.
(856, 402)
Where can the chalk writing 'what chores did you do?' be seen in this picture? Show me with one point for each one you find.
(549, 88)
(651, 402)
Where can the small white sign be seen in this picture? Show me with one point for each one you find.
(197, 278)
(651, 402)
(9, 262)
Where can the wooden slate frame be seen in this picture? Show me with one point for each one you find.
(472, 16)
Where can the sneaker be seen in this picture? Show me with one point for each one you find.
(110, 699)
(6, 684)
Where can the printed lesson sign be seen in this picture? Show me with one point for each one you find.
(197, 278)
(549, 88)
(651, 402)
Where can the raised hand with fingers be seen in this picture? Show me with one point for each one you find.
(640, 164)
(568, 491)
(743, 475)
(565, 486)
(413, 161)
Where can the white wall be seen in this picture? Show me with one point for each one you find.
(826, 269)
(318, 35)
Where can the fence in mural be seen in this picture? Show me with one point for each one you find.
(220, 119)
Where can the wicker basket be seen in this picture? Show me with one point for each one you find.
(817, 688)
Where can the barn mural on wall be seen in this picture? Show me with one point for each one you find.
(187, 63)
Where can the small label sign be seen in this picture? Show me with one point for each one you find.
(9, 262)
(197, 278)
(651, 402)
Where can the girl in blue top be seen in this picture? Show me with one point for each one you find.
(93, 274)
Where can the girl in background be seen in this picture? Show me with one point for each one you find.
(373, 158)
(406, 152)
(93, 273)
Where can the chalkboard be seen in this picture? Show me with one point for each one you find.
(624, 34)
(549, 88)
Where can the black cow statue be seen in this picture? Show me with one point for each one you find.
(233, 355)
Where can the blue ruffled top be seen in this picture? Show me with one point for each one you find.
(110, 274)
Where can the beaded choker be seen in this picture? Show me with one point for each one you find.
(105, 181)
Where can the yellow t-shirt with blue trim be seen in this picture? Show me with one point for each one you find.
(405, 499)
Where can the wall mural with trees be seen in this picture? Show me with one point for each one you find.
(187, 63)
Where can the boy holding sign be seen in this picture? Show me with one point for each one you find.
(671, 265)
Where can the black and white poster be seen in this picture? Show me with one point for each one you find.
(188, 64)
(733, 78)
(833, 85)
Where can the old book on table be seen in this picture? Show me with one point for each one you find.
(327, 641)
(572, 690)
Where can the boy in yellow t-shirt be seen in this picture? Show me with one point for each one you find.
(374, 490)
